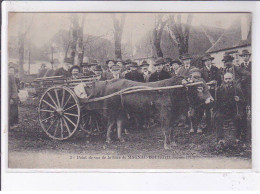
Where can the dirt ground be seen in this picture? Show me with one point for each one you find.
(30, 147)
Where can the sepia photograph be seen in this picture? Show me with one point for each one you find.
(129, 90)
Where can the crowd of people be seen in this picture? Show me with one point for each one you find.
(230, 85)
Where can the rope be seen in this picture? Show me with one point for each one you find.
(140, 89)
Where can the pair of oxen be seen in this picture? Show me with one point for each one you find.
(167, 105)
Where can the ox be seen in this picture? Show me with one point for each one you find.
(167, 105)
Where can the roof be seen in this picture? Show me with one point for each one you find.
(231, 38)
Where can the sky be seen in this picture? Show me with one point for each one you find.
(45, 25)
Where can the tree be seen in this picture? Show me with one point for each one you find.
(157, 33)
(118, 24)
(180, 32)
(23, 31)
(76, 44)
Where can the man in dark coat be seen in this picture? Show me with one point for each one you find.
(211, 75)
(230, 105)
(175, 65)
(86, 69)
(239, 74)
(134, 75)
(209, 72)
(246, 83)
(145, 71)
(246, 64)
(13, 99)
(159, 74)
(184, 71)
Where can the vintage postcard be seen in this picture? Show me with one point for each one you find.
(133, 90)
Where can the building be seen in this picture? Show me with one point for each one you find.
(235, 39)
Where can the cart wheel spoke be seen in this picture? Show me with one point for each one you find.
(63, 96)
(52, 100)
(51, 125)
(42, 110)
(67, 126)
(49, 104)
(61, 124)
(67, 102)
(71, 114)
(57, 97)
(48, 118)
(56, 128)
(70, 107)
(70, 120)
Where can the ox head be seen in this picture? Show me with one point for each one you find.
(199, 93)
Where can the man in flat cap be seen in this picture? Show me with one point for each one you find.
(184, 71)
(159, 74)
(134, 75)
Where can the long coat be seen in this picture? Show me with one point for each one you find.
(212, 74)
(157, 76)
(184, 72)
(134, 76)
(246, 67)
(13, 95)
(225, 102)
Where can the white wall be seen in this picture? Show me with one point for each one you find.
(219, 56)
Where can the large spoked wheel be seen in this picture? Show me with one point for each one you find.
(59, 112)
(92, 123)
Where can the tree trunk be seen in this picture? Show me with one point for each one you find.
(118, 31)
(157, 45)
(118, 52)
(21, 55)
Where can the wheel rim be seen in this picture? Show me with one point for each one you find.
(91, 121)
(59, 112)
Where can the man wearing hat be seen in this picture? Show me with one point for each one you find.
(229, 105)
(126, 70)
(159, 74)
(75, 72)
(238, 73)
(107, 75)
(86, 69)
(13, 98)
(167, 66)
(209, 72)
(195, 114)
(116, 72)
(98, 71)
(184, 71)
(134, 75)
(175, 65)
(246, 83)
(145, 72)
(93, 64)
(246, 64)
(211, 75)
(42, 70)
